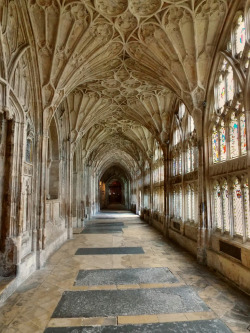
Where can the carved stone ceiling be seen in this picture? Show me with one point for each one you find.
(118, 66)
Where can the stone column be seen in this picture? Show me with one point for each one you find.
(202, 204)
(41, 233)
(248, 147)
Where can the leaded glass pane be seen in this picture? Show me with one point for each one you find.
(223, 147)
(225, 202)
(215, 145)
(174, 203)
(237, 209)
(246, 208)
(181, 111)
(234, 137)
(230, 84)
(192, 158)
(243, 139)
(180, 164)
(174, 166)
(221, 92)
(188, 159)
(217, 207)
(180, 203)
(240, 35)
(192, 201)
(189, 203)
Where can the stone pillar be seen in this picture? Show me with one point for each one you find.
(42, 147)
(202, 204)
(8, 249)
(69, 190)
(166, 192)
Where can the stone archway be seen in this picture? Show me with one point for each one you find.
(115, 192)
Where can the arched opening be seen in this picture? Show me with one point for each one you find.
(114, 188)
(115, 192)
(53, 163)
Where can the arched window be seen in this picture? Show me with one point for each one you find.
(228, 137)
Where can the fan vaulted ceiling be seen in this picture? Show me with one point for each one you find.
(120, 66)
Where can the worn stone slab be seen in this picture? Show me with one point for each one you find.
(109, 303)
(109, 250)
(104, 218)
(101, 230)
(201, 326)
(124, 276)
(102, 224)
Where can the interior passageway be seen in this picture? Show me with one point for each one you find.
(118, 274)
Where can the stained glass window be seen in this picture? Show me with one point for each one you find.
(223, 147)
(221, 92)
(234, 136)
(230, 84)
(225, 203)
(217, 206)
(246, 208)
(240, 35)
(243, 139)
(215, 145)
(237, 209)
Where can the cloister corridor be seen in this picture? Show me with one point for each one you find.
(124, 166)
(144, 283)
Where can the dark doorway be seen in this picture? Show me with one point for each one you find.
(115, 192)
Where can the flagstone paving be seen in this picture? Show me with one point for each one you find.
(158, 288)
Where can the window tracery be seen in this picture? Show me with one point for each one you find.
(230, 195)
(236, 224)
(184, 160)
(228, 135)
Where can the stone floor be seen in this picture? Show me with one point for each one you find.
(156, 287)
